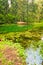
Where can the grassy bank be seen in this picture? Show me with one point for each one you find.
(14, 28)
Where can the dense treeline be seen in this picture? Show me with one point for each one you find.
(21, 10)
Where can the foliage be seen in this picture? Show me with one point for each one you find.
(41, 45)
(25, 38)
(21, 10)
(38, 26)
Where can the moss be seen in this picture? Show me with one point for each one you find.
(18, 48)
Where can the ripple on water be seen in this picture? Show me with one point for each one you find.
(33, 57)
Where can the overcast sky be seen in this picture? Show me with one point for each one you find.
(9, 2)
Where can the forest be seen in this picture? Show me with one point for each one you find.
(21, 32)
(21, 10)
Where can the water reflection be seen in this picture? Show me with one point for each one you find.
(33, 57)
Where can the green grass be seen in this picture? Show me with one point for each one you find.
(5, 28)
(38, 25)
(14, 28)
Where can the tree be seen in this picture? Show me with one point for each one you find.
(3, 10)
(28, 11)
(39, 10)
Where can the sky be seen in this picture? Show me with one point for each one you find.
(9, 2)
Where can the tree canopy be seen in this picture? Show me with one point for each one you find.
(12, 11)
